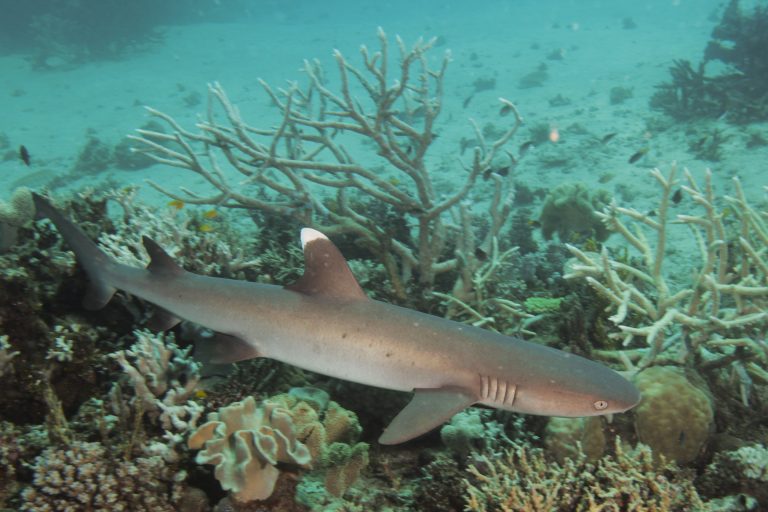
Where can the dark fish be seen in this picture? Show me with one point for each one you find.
(480, 254)
(525, 146)
(505, 110)
(24, 155)
(677, 196)
(501, 171)
(651, 213)
(467, 101)
(608, 137)
(638, 155)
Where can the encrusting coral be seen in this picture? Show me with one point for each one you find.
(245, 441)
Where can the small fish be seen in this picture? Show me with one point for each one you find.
(677, 196)
(640, 153)
(467, 101)
(210, 214)
(503, 171)
(525, 147)
(480, 254)
(200, 393)
(651, 213)
(205, 228)
(605, 139)
(394, 181)
(24, 155)
(176, 203)
(505, 110)
(534, 223)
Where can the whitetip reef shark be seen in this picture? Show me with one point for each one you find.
(325, 323)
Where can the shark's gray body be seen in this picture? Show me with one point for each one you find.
(325, 323)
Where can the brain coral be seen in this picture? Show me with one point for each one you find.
(674, 417)
(245, 442)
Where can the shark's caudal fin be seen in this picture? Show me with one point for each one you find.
(93, 260)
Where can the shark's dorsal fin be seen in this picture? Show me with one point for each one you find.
(429, 408)
(325, 270)
(159, 260)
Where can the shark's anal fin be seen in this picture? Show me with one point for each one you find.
(428, 409)
(326, 271)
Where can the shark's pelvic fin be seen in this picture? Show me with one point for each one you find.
(428, 409)
(225, 348)
(325, 270)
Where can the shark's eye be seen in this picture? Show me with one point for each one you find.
(600, 405)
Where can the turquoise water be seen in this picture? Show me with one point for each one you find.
(509, 184)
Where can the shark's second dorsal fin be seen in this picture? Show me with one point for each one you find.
(159, 260)
(325, 270)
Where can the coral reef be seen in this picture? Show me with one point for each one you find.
(674, 418)
(566, 438)
(523, 479)
(715, 320)
(739, 471)
(738, 42)
(84, 476)
(17, 212)
(569, 211)
(283, 167)
(245, 442)
(471, 430)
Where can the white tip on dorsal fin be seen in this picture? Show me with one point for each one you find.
(326, 272)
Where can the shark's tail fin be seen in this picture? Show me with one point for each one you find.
(93, 259)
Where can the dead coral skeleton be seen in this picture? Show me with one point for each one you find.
(310, 166)
(716, 319)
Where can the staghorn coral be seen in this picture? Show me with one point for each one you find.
(85, 476)
(674, 418)
(523, 479)
(279, 169)
(718, 318)
(245, 442)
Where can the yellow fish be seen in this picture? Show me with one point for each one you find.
(210, 214)
(176, 203)
(205, 228)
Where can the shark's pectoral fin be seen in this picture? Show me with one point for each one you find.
(428, 409)
(225, 348)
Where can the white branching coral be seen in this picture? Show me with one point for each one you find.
(84, 476)
(316, 164)
(719, 317)
(164, 378)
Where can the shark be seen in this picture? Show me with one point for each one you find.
(324, 322)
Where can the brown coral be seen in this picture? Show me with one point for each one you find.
(523, 479)
(674, 417)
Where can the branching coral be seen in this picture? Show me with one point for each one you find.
(717, 319)
(523, 479)
(294, 168)
(84, 476)
(163, 378)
